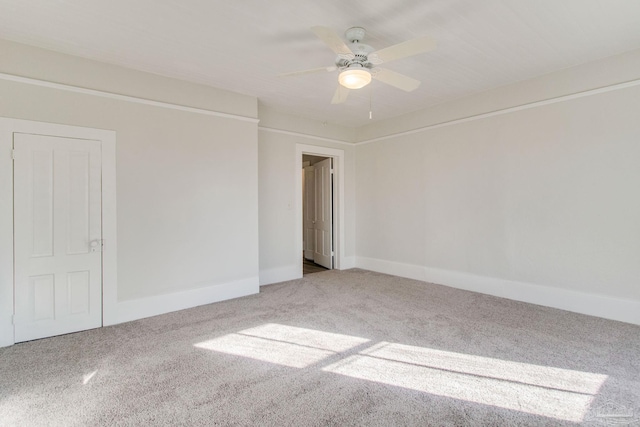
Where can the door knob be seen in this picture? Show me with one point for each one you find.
(95, 245)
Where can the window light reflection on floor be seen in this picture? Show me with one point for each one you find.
(86, 378)
(283, 345)
(540, 390)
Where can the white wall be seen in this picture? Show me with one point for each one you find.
(278, 136)
(538, 205)
(187, 181)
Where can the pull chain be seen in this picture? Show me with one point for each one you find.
(370, 102)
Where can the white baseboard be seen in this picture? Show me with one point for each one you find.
(6, 331)
(409, 271)
(292, 272)
(281, 274)
(348, 262)
(152, 306)
(161, 304)
(623, 310)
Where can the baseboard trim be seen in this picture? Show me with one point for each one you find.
(348, 262)
(281, 274)
(623, 310)
(135, 309)
(152, 306)
(6, 331)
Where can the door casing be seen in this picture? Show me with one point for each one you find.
(338, 201)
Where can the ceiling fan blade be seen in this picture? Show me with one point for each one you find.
(341, 95)
(311, 71)
(332, 40)
(394, 79)
(404, 49)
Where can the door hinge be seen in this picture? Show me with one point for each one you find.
(13, 319)
(331, 171)
(13, 154)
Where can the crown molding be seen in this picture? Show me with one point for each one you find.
(549, 101)
(304, 135)
(126, 98)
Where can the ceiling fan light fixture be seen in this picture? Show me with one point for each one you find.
(355, 78)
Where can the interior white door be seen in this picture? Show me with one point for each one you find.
(323, 227)
(57, 235)
(308, 211)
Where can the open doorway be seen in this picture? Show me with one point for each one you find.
(327, 247)
(317, 214)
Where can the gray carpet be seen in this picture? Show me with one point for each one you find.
(334, 348)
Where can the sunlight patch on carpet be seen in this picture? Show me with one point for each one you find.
(283, 345)
(553, 392)
(86, 378)
(541, 390)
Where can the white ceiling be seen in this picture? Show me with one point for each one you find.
(243, 45)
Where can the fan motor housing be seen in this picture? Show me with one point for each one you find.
(360, 51)
(360, 56)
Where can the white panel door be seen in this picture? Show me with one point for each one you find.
(323, 226)
(308, 211)
(57, 235)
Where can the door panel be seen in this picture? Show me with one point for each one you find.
(78, 215)
(57, 216)
(79, 285)
(42, 213)
(42, 292)
(322, 253)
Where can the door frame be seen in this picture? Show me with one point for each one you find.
(338, 201)
(8, 127)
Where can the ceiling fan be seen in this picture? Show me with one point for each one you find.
(358, 62)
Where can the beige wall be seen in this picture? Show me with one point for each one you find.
(36, 63)
(279, 259)
(574, 80)
(187, 182)
(538, 204)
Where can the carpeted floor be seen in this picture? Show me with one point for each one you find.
(334, 348)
